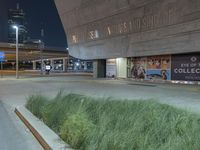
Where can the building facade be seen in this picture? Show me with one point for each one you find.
(4, 21)
(16, 17)
(142, 39)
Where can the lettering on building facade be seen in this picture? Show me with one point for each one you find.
(122, 25)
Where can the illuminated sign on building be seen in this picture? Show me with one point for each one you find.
(2, 56)
(186, 67)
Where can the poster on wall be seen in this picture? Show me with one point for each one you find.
(186, 67)
(151, 68)
(111, 68)
(138, 69)
(158, 67)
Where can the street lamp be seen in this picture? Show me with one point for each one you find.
(67, 59)
(41, 47)
(17, 49)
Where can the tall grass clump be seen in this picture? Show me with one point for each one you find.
(55, 113)
(75, 129)
(35, 103)
(109, 124)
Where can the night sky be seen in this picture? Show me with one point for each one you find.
(42, 14)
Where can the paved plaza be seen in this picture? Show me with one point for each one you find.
(14, 93)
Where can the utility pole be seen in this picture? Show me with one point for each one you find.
(17, 49)
(1, 69)
(41, 47)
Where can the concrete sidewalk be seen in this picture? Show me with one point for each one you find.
(47, 138)
(13, 134)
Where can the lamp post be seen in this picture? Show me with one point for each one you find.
(67, 59)
(17, 49)
(41, 47)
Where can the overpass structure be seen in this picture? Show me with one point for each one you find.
(34, 55)
(31, 52)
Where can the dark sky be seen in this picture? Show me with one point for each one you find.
(42, 13)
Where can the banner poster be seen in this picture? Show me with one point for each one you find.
(138, 68)
(154, 68)
(158, 68)
(186, 67)
(111, 68)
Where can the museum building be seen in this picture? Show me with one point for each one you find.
(142, 39)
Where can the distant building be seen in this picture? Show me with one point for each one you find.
(32, 57)
(16, 17)
(4, 21)
(140, 39)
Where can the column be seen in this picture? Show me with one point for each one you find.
(122, 67)
(52, 64)
(99, 68)
(64, 64)
(34, 65)
(95, 69)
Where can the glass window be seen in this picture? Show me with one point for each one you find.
(58, 65)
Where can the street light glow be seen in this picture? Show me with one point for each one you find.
(15, 27)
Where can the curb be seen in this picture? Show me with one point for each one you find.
(45, 136)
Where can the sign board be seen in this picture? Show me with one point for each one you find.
(186, 67)
(111, 68)
(2, 56)
(48, 67)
